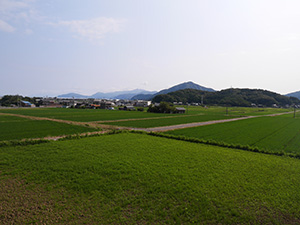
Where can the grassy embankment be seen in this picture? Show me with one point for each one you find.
(137, 178)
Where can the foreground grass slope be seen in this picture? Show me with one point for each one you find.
(16, 128)
(137, 178)
(276, 134)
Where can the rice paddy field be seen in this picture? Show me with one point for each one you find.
(82, 115)
(126, 177)
(16, 128)
(88, 115)
(133, 178)
(276, 134)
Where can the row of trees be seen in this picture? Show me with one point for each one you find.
(163, 107)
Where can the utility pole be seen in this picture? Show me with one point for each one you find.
(294, 111)
(187, 107)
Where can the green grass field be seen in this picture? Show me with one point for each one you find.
(280, 133)
(136, 178)
(16, 128)
(199, 114)
(88, 115)
(171, 121)
(235, 111)
(82, 115)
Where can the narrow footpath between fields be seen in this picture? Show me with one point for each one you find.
(198, 124)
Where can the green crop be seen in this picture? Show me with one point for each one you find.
(136, 178)
(279, 134)
(16, 128)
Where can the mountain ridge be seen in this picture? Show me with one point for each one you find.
(181, 86)
(109, 95)
(138, 94)
(295, 94)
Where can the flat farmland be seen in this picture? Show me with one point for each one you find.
(159, 122)
(276, 134)
(140, 179)
(83, 115)
(199, 114)
(16, 128)
(235, 111)
(90, 115)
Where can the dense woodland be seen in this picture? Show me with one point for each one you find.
(229, 97)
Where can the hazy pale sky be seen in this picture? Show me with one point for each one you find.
(52, 47)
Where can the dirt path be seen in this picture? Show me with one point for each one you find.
(198, 124)
(188, 125)
(85, 124)
(148, 118)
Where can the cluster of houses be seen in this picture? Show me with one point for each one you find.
(91, 103)
(128, 105)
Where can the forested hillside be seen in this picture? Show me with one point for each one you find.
(229, 97)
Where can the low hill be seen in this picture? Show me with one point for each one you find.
(294, 94)
(229, 97)
(182, 86)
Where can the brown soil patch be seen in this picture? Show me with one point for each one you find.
(21, 203)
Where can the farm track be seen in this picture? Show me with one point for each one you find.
(84, 124)
(198, 124)
(148, 118)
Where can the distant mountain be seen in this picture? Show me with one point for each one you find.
(294, 94)
(186, 85)
(142, 97)
(109, 95)
(72, 95)
(121, 94)
(229, 97)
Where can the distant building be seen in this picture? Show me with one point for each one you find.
(180, 110)
(27, 104)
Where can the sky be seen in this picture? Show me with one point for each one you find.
(54, 47)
